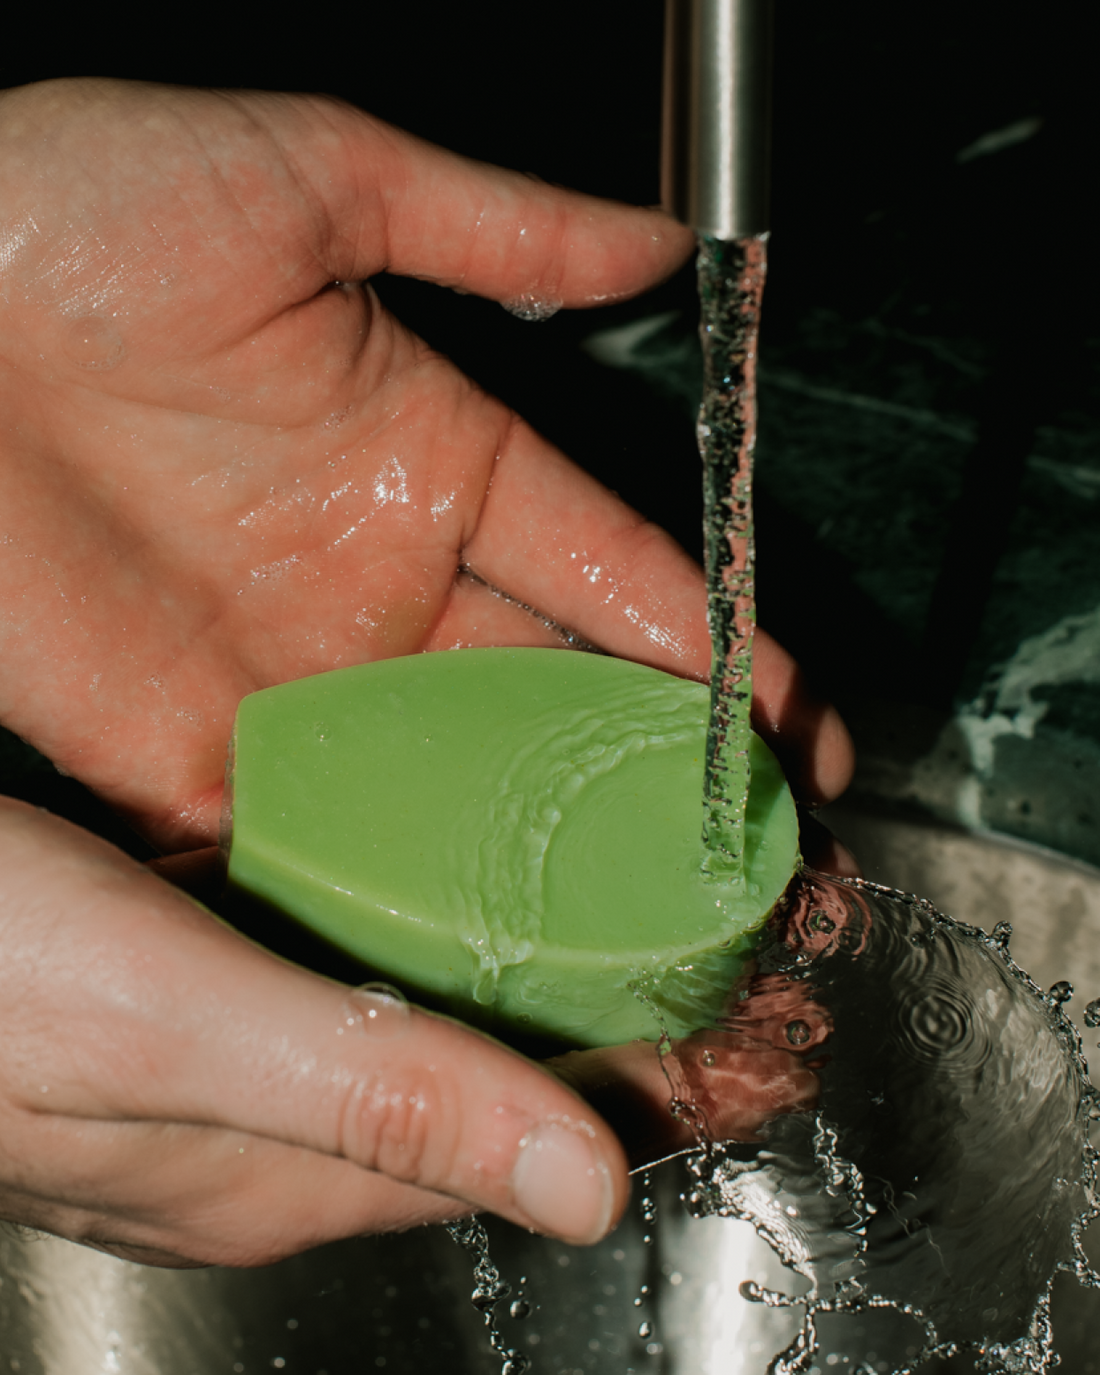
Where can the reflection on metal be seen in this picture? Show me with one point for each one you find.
(401, 1304)
(716, 140)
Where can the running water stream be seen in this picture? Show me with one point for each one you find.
(731, 287)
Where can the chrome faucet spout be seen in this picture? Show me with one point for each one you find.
(716, 142)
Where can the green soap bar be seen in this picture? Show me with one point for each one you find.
(512, 833)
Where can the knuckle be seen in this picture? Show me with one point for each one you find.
(406, 1131)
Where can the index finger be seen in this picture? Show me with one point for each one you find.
(554, 538)
(398, 202)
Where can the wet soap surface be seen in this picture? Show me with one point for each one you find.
(512, 833)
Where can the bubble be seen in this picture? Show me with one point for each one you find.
(798, 1033)
(490, 1290)
(486, 1296)
(529, 307)
(376, 1010)
(94, 344)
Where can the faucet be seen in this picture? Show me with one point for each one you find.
(716, 137)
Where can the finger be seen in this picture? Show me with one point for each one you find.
(420, 211)
(198, 1195)
(198, 872)
(479, 615)
(822, 851)
(738, 1088)
(556, 539)
(185, 1021)
(807, 734)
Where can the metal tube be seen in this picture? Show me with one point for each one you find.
(716, 142)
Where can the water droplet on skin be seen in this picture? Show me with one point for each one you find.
(529, 307)
(798, 1033)
(645, 1329)
(376, 1010)
(94, 344)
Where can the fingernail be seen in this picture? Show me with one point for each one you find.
(561, 1183)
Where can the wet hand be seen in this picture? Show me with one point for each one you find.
(223, 464)
(176, 1095)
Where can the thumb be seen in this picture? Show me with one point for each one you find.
(187, 1022)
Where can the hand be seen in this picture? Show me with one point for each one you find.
(224, 465)
(176, 1095)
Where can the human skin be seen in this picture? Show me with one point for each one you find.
(224, 465)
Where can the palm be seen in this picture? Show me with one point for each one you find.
(224, 468)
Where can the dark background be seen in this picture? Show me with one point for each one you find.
(898, 562)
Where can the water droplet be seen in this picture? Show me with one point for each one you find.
(93, 343)
(645, 1329)
(377, 1010)
(520, 1309)
(1002, 932)
(1061, 992)
(709, 1058)
(649, 1210)
(529, 307)
(798, 1033)
(490, 1290)
(1092, 1013)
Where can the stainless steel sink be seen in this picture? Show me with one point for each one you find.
(400, 1304)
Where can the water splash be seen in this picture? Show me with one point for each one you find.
(490, 1290)
(947, 1172)
(530, 307)
(731, 286)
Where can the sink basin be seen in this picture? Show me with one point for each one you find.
(400, 1304)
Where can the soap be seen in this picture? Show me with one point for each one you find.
(513, 835)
